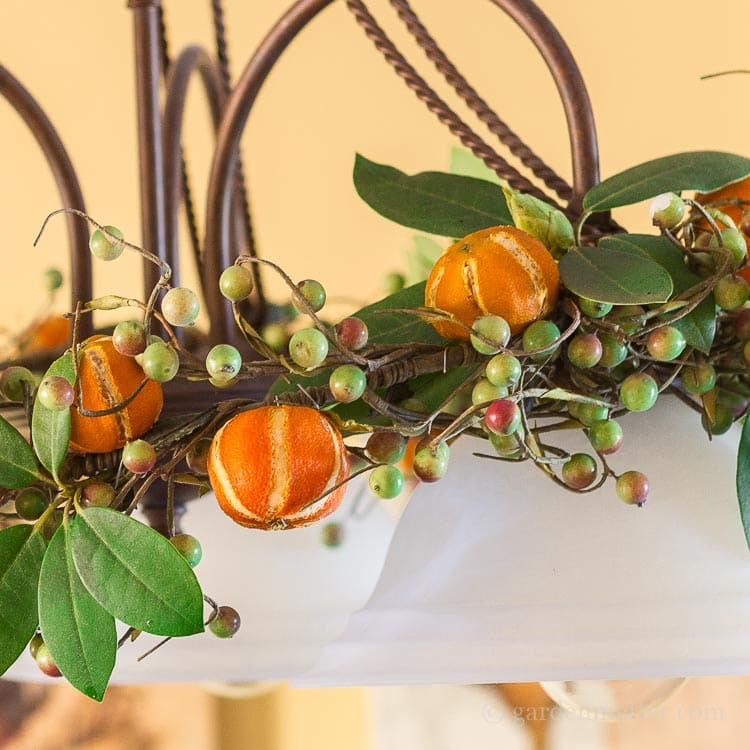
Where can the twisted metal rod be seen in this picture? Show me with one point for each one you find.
(437, 106)
(477, 104)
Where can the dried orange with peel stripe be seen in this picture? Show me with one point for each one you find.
(499, 271)
(270, 467)
(105, 379)
(734, 191)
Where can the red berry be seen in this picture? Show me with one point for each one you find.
(503, 417)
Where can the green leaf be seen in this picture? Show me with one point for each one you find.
(18, 466)
(50, 430)
(445, 204)
(699, 326)
(79, 633)
(21, 554)
(694, 170)
(135, 573)
(421, 258)
(548, 224)
(465, 163)
(434, 388)
(743, 478)
(614, 276)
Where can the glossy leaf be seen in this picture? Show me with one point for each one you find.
(21, 554)
(18, 466)
(695, 170)
(699, 326)
(50, 430)
(435, 202)
(613, 276)
(135, 573)
(743, 478)
(79, 633)
(433, 389)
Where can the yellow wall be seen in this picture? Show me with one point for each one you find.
(331, 96)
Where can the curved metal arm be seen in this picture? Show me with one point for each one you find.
(67, 183)
(575, 99)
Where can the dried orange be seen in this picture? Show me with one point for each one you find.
(500, 271)
(46, 335)
(734, 191)
(106, 378)
(271, 466)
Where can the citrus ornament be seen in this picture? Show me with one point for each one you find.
(275, 467)
(495, 271)
(106, 378)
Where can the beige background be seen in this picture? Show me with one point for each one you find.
(331, 96)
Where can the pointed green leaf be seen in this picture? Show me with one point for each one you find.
(614, 276)
(79, 633)
(445, 204)
(743, 478)
(50, 430)
(695, 170)
(699, 326)
(547, 223)
(135, 573)
(465, 163)
(21, 554)
(18, 466)
(421, 258)
(434, 388)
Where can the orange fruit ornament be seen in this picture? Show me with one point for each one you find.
(270, 466)
(495, 271)
(106, 378)
(46, 335)
(736, 190)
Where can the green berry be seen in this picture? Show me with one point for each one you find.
(45, 662)
(347, 383)
(97, 493)
(592, 309)
(160, 362)
(308, 348)
(30, 503)
(605, 436)
(223, 362)
(484, 392)
(630, 318)
(667, 210)
(236, 283)
(665, 343)
(638, 392)
(584, 350)
(15, 380)
(723, 420)
(699, 379)
(731, 292)
(734, 241)
(579, 471)
(632, 487)
(431, 464)
(352, 333)
(103, 247)
(385, 447)
(138, 456)
(197, 456)
(587, 414)
(34, 644)
(56, 393)
(314, 292)
(276, 336)
(129, 338)
(332, 534)
(53, 279)
(493, 328)
(394, 282)
(225, 623)
(180, 306)
(541, 335)
(614, 351)
(503, 370)
(507, 446)
(189, 547)
(386, 482)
